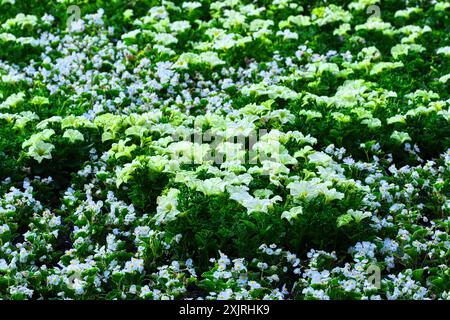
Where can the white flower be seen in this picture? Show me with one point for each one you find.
(253, 285)
(78, 286)
(53, 280)
(145, 290)
(73, 135)
(134, 265)
(211, 186)
(225, 295)
(167, 207)
(4, 228)
(3, 265)
(292, 213)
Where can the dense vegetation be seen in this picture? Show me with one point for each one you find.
(229, 149)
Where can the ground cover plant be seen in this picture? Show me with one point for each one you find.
(228, 149)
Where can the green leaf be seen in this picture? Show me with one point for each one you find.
(438, 282)
(417, 274)
(250, 224)
(344, 220)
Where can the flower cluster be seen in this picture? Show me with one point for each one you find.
(225, 150)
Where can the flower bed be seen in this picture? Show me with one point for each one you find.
(224, 149)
